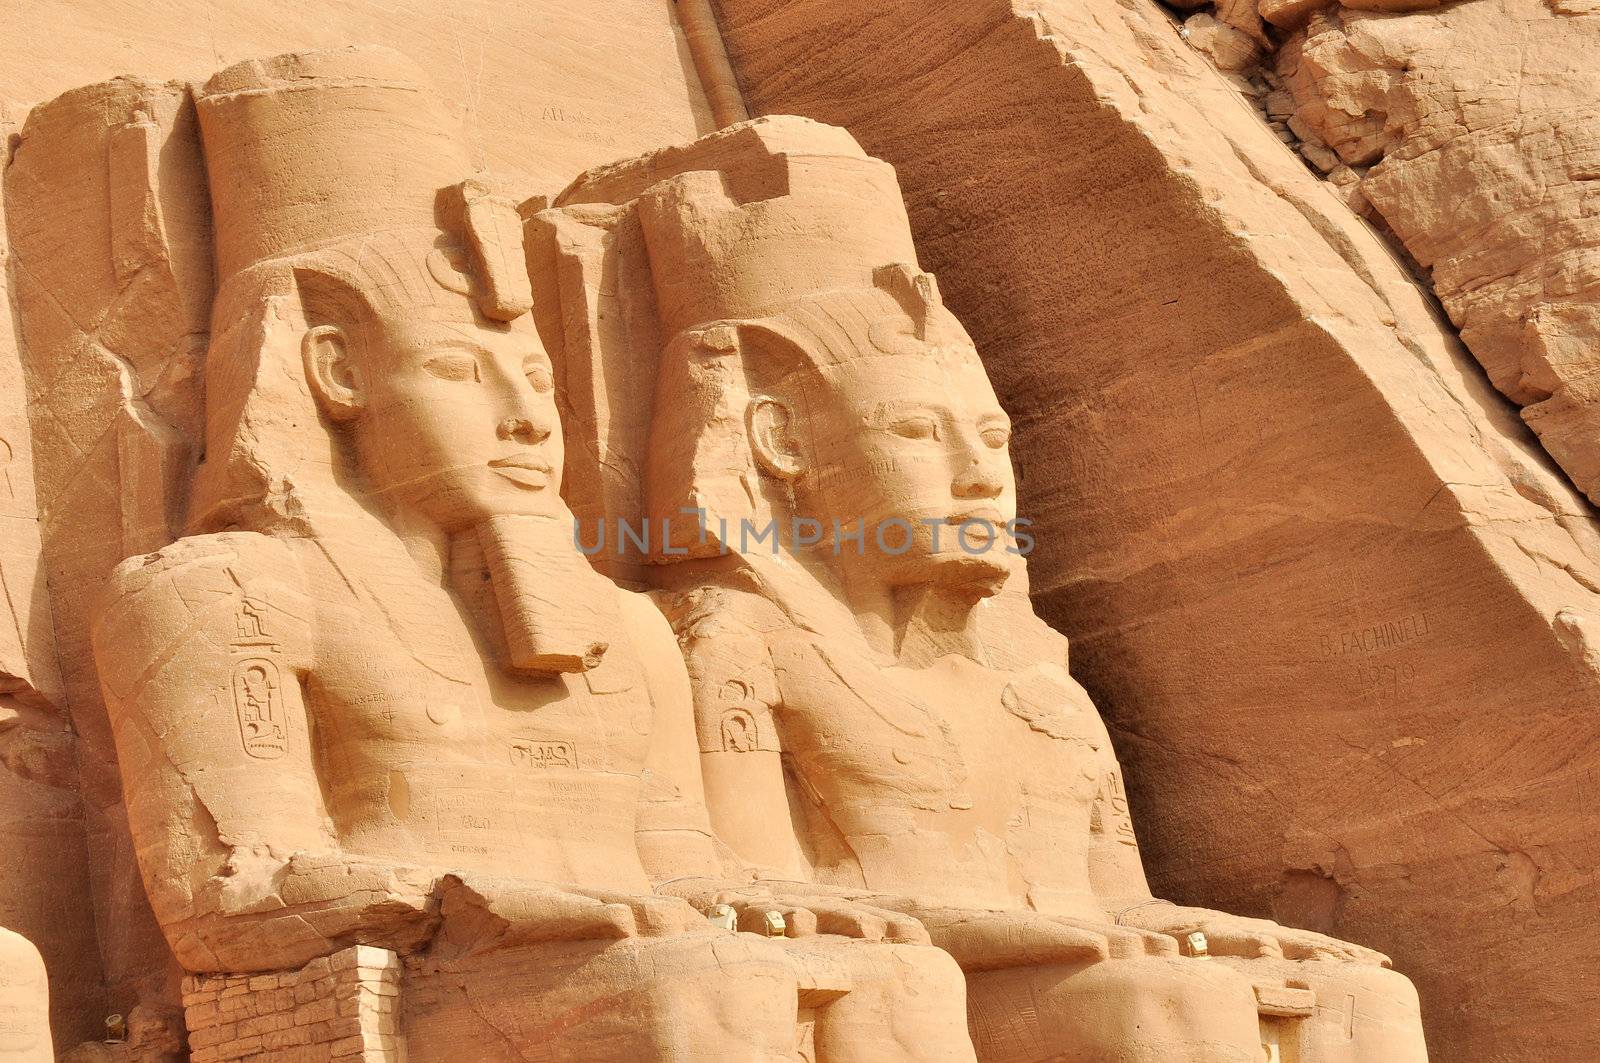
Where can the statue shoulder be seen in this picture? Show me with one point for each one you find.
(234, 589)
(243, 557)
(714, 614)
(724, 635)
(24, 993)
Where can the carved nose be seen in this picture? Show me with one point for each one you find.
(522, 430)
(978, 481)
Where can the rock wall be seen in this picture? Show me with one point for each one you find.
(1475, 130)
(44, 883)
(1329, 591)
(546, 88)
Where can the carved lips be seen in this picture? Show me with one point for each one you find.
(524, 470)
(987, 527)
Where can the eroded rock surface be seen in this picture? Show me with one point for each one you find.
(42, 818)
(1477, 127)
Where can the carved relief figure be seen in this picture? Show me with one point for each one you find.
(919, 741)
(377, 696)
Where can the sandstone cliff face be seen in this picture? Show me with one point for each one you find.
(1466, 129)
(1476, 128)
(1321, 579)
(545, 88)
(44, 882)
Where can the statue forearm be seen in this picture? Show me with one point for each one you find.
(282, 914)
(272, 915)
(1116, 874)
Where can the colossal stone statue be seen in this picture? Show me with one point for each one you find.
(377, 697)
(881, 714)
(24, 1002)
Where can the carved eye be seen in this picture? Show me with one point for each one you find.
(916, 428)
(539, 377)
(997, 437)
(457, 367)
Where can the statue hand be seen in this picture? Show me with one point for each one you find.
(847, 918)
(488, 912)
(800, 913)
(1235, 935)
(649, 914)
(991, 940)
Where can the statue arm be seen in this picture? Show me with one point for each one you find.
(1116, 870)
(202, 650)
(1222, 934)
(674, 831)
(733, 692)
(978, 939)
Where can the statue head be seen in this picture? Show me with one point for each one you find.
(897, 431)
(372, 359)
(356, 246)
(450, 414)
(815, 373)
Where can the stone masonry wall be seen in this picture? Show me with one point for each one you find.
(343, 1007)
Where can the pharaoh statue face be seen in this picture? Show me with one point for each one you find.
(917, 438)
(453, 416)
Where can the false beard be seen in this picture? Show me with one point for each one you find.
(558, 614)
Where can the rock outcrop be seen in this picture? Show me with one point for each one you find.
(1475, 128)
(44, 873)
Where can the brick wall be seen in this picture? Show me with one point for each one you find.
(342, 1008)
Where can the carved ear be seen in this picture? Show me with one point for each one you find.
(336, 312)
(332, 372)
(770, 424)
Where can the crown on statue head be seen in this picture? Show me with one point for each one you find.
(353, 150)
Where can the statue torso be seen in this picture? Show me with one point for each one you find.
(426, 746)
(957, 781)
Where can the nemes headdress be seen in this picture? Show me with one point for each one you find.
(335, 177)
(343, 192)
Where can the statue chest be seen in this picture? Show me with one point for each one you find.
(372, 695)
(1030, 749)
(478, 771)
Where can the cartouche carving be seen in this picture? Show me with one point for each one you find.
(376, 696)
(933, 756)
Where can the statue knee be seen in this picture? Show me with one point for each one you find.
(24, 1002)
(723, 998)
(903, 1002)
(1351, 1013)
(720, 997)
(1145, 1009)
